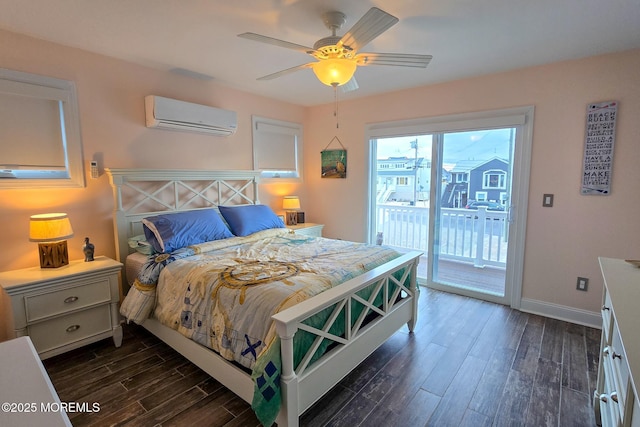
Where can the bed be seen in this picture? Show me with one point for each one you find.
(347, 322)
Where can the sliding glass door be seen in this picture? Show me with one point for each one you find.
(402, 192)
(454, 195)
(471, 242)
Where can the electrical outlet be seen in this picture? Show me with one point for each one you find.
(582, 284)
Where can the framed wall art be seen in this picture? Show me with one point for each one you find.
(334, 161)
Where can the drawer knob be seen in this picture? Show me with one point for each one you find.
(69, 300)
(73, 328)
(604, 307)
(614, 396)
(616, 355)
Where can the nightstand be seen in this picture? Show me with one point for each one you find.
(67, 307)
(307, 229)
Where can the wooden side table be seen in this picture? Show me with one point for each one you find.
(64, 308)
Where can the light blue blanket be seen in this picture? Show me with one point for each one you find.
(222, 295)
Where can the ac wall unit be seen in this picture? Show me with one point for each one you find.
(166, 113)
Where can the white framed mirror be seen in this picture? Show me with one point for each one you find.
(39, 132)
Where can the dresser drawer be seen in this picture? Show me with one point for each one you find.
(610, 408)
(620, 367)
(73, 327)
(61, 301)
(607, 316)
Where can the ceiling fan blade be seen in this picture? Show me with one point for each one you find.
(370, 26)
(395, 59)
(287, 71)
(350, 86)
(277, 42)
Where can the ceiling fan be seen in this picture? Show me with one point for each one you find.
(338, 57)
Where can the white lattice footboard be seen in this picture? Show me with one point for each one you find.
(394, 283)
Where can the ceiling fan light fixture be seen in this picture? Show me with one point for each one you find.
(334, 71)
(336, 58)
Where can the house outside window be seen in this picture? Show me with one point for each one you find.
(459, 177)
(494, 179)
(402, 180)
(481, 196)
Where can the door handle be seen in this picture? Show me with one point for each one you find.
(511, 214)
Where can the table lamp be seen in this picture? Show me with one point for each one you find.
(51, 231)
(291, 204)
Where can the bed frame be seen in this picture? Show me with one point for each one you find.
(140, 193)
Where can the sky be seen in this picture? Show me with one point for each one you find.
(471, 145)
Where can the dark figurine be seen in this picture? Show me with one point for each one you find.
(88, 249)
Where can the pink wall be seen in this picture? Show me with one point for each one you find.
(111, 100)
(563, 242)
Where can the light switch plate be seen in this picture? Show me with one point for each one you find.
(95, 172)
(582, 284)
(547, 200)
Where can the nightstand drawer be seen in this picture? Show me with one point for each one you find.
(71, 328)
(64, 300)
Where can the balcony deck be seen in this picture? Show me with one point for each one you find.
(463, 274)
(472, 243)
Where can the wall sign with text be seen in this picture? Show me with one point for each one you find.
(600, 137)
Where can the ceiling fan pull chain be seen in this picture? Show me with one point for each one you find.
(335, 110)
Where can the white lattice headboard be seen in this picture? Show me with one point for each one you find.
(139, 193)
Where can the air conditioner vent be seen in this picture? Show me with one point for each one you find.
(166, 113)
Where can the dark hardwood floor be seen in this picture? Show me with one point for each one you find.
(469, 363)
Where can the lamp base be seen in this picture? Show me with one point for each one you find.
(292, 218)
(53, 254)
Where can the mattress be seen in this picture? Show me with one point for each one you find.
(133, 265)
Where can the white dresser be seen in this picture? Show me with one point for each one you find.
(616, 398)
(66, 307)
(27, 395)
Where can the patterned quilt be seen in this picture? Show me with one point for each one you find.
(222, 294)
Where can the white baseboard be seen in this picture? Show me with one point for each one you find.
(562, 312)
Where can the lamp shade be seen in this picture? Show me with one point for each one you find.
(290, 203)
(334, 71)
(49, 227)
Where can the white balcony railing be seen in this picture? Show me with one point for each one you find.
(477, 236)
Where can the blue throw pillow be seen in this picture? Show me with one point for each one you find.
(169, 232)
(247, 219)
